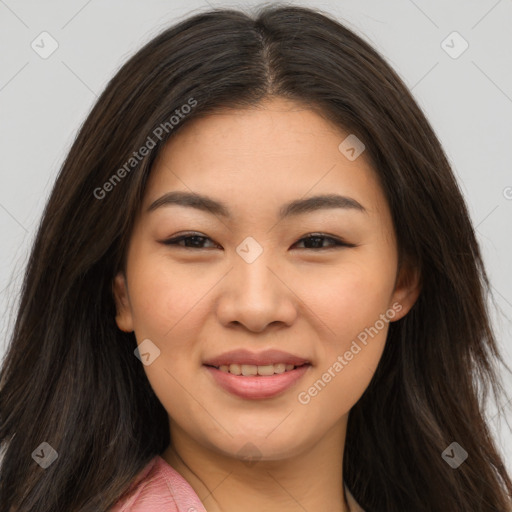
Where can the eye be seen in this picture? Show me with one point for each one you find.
(317, 239)
(192, 241)
(313, 240)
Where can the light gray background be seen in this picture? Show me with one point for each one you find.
(467, 99)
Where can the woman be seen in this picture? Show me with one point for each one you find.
(186, 340)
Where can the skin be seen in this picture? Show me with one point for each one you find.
(198, 303)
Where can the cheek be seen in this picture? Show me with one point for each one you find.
(167, 309)
(162, 296)
(339, 384)
(349, 298)
(349, 351)
(353, 306)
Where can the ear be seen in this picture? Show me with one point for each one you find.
(407, 290)
(124, 318)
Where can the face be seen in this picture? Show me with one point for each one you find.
(258, 287)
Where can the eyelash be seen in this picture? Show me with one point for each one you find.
(337, 243)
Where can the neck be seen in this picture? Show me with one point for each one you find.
(311, 480)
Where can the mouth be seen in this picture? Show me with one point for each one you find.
(255, 377)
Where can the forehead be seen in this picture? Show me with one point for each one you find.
(267, 155)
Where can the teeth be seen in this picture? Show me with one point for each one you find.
(266, 370)
(251, 369)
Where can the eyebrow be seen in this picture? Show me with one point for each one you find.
(291, 209)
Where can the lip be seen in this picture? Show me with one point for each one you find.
(243, 356)
(257, 387)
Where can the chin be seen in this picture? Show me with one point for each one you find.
(260, 446)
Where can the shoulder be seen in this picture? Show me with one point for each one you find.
(158, 487)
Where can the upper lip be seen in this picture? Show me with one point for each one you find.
(266, 357)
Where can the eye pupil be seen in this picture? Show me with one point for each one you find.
(315, 240)
(196, 240)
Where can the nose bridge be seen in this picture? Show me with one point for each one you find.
(255, 296)
(252, 272)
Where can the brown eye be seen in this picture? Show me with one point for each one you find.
(316, 240)
(191, 241)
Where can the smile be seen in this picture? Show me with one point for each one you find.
(250, 369)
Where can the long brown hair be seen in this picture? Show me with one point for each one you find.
(70, 377)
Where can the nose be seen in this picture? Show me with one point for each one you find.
(255, 294)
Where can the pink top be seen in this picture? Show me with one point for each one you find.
(160, 488)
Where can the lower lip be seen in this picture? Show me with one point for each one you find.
(257, 387)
